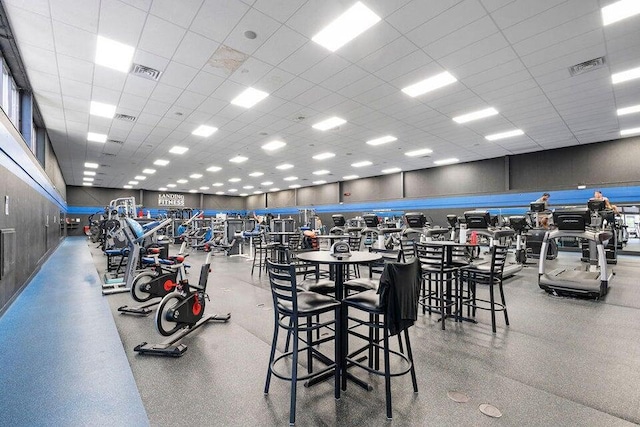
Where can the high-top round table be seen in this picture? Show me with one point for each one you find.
(357, 257)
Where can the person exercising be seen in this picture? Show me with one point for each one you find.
(544, 217)
(607, 204)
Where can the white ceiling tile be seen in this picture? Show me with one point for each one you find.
(75, 69)
(216, 18)
(458, 16)
(44, 82)
(121, 22)
(250, 72)
(39, 59)
(521, 10)
(190, 100)
(205, 83)
(304, 58)
(418, 12)
(85, 17)
(325, 69)
(131, 102)
(76, 89)
(32, 29)
(378, 36)
(41, 7)
(160, 37)
(401, 67)
(347, 76)
(255, 21)
(195, 50)
(212, 105)
(477, 50)
(178, 75)
(280, 10)
(469, 34)
(75, 42)
(492, 5)
(106, 77)
(139, 86)
(280, 45)
(166, 93)
(180, 13)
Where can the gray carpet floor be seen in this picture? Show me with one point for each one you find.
(562, 361)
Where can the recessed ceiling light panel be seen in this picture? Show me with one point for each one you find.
(256, 174)
(633, 131)
(214, 169)
(249, 97)
(91, 165)
(330, 123)
(476, 115)
(178, 150)
(113, 54)
(284, 166)
(448, 161)
(149, 171)
(619, 10)
(418, 153)
(382, 140)
(625, 76)
(238, 159)
(273, 145)
(503, 135)
(204, 130)
(102, 110)
(629, 110)
(324, 156)
(391, 170)
(353, 22)
(361, 164)
(161, 162)
(430, 84)
(96, 137)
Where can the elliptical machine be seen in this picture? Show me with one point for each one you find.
(180, 313)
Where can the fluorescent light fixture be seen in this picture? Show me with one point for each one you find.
(290, 178)
(178, 150)
(350, 177)
(323, 156)
(204, 188)
(255, 174)
(284, 166)
(195, 175)
(382, 140)
(238, 159)
(476, 115)
(361, 164)
(273, 145)
(274, 189)
(127, 186)
(91, 165)
(258, 192)
(149, 171)
(96, 137)
(249, 97)
(133, 182)
(330, 123)
(102, 110)
(219, 193)
(87, 179)
(353, 22)
(446, 161)
(87, 184)
(214, 169)
(182, 181)
(631, 131)
(624, 76)
(162, 189)
(232, 190)
(140, 177)
(248, 187)
(322, 172)
(113, 54)
(193, 191)
(161, 162)
(421, 152)
(217, 184)
(235, 179)
(620, 10)
(204, 130)
(581, 187)
(244, 194)
(391, 170)
(322, 181)
(171, 185)
(295, 186)
(629, 110)
(503, 135)
(267, 183)
(430, 84)
(89, 173)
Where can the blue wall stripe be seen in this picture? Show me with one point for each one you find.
(504, 204)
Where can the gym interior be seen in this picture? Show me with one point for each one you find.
(263, 212)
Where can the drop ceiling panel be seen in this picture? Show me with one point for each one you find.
(216, 18)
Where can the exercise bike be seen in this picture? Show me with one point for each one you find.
(181, 312)
(155, 285)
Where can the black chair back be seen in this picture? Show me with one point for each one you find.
(431, 256)
(407, 250)
(355, 242)
(282, 280)
(498, 259)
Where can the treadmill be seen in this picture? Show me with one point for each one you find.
(592, 281)
(479, 221)
(535, 236)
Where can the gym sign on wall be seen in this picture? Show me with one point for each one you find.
(170, 199)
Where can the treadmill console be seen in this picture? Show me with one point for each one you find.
(537, 207)
(518, 223)
(371, 220)
(596, 205)
(452, 220)
(338, 220)
(572, 219)
(415, 220)
(477, 219)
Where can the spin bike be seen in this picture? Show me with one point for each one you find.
(152, 286)
(180, 313)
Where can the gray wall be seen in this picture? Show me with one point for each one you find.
(256, 201)
(486, 176)
(385, 187)
(319, 195)
(34, 217)
(604, 163)
(281, 199)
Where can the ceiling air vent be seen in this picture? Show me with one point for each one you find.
(115, 141)
(146, 72)
(108, 154)
(584, 67)
(125, 117)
